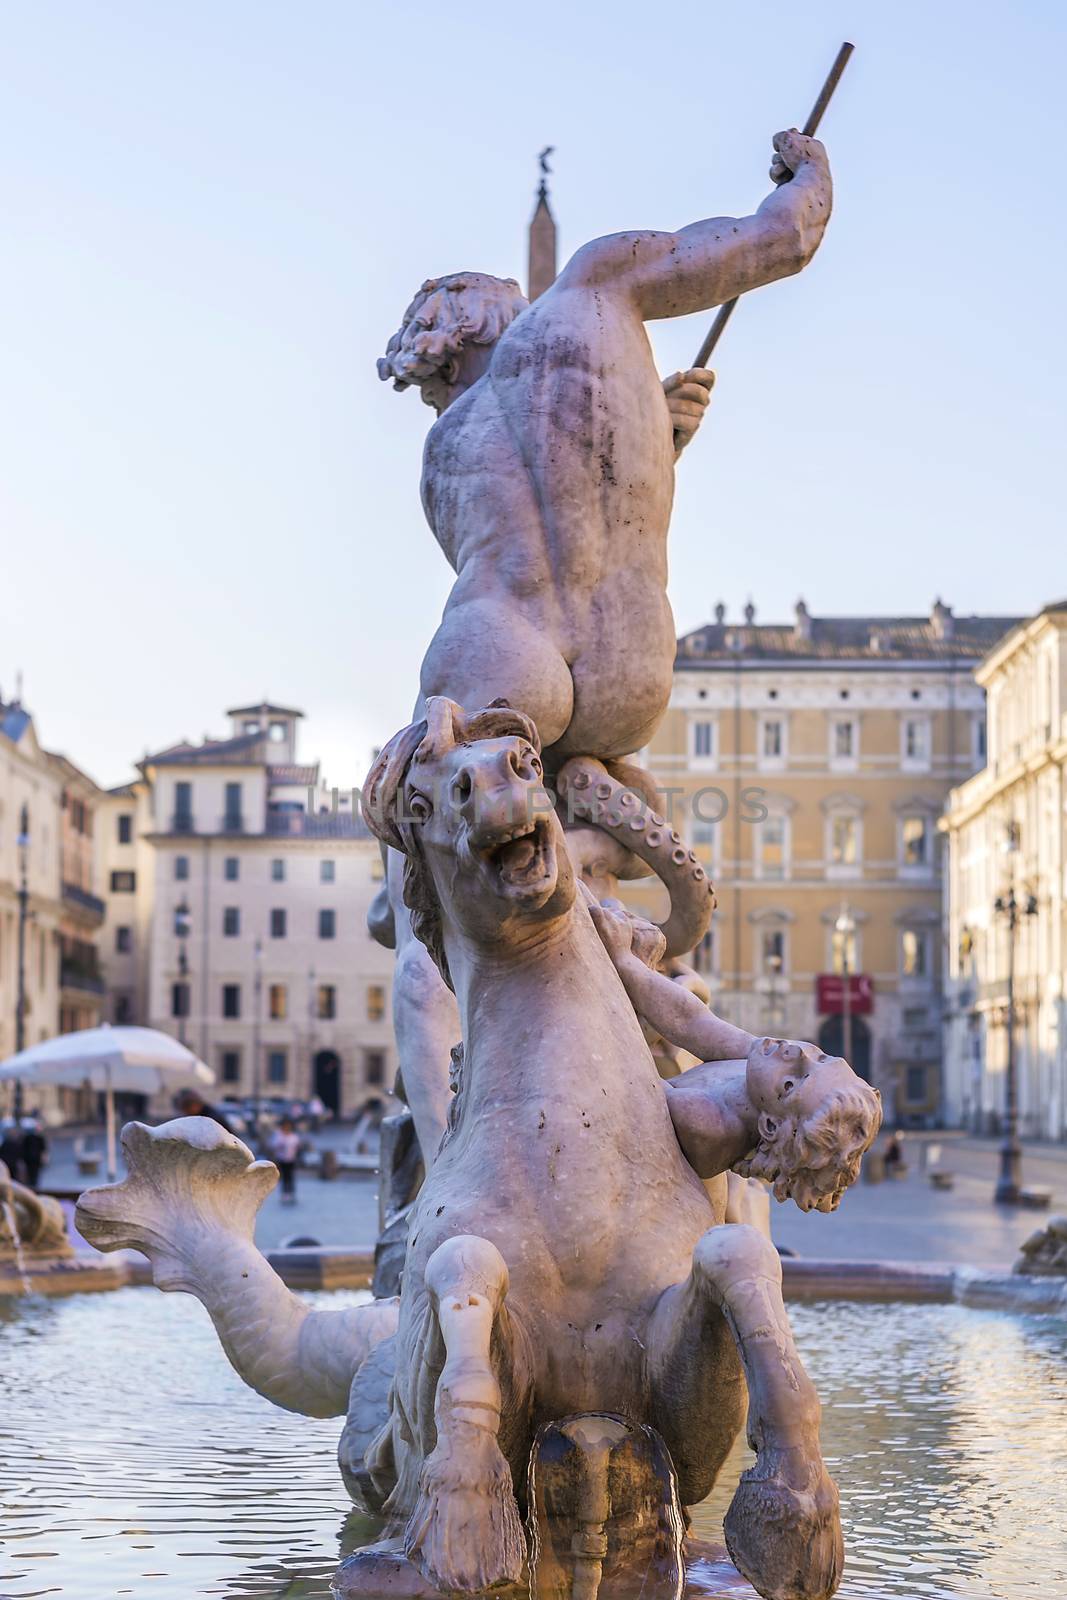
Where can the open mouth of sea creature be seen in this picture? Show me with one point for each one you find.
(521, 858)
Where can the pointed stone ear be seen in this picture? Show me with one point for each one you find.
(384, 782)
(446, 727)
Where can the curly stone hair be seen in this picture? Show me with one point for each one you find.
(813, 1161)
(445, 316)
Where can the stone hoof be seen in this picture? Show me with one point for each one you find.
(786, 1541)
(464, 1534)
(381, 1572)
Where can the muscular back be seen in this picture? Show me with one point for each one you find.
(548, 486)
(548, 483)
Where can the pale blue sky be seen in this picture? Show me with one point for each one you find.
(215, 214)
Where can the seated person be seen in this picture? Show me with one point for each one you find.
(774, 1109)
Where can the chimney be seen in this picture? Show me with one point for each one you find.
(541, 261)
(942, 621)
(720, 613)
(802, 624)
(750, 613)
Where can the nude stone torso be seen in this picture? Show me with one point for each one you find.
(548, 485)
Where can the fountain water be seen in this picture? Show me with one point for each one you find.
(36, 1255)
(10, 1237)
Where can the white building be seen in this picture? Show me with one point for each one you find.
(238, 891)
(30, 786)
(1007, 832)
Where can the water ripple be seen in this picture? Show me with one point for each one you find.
(134, 1462)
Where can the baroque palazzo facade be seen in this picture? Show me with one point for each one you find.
(1006, 834)
(807, 763)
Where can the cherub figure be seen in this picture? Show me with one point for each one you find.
(775, 1109)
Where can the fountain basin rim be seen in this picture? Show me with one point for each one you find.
(311, 1267)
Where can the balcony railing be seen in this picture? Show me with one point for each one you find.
(85, 901)
(76, 975)
(233, 822)
(182, 822)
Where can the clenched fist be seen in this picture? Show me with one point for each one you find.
(792, 150)
(687, 394)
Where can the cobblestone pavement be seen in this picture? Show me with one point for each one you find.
(901, 1220)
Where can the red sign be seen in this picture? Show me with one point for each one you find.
(830, 993)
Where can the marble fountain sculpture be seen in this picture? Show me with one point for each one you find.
(579, 1329)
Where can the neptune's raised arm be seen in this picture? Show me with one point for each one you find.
(707, 263)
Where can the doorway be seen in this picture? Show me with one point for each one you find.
(328, 1080)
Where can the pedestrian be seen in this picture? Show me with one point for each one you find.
(894, 1156)
(285, 1148)
(190, 1103)
(34, 1150)
(11, 1149)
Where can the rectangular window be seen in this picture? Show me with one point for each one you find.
(183, 808)
(277, 871)
(704, 955)
(278, 999)
(231, 922)
(231, 869)
(844, 746)
(230, 1061)
(179, 999)
(844, 841)
(231, 1000)
(326, 1002)
(326, 872)
(375, 1002)
(181, 868)
(771, 845)
(772, 943)
(915, 1086)
(844, 947)
(980, 740)
(123, 1008)
(773, 740)
(123, 940)
(277, 923)
(277, 1066)
(917, 740)
(232, 820)
(374, 1066)
(327, 924)
(276, 732)
(703, 737)
(702, 838)
(914, 841)
(125, 827)
(123, 882)
(915, 959)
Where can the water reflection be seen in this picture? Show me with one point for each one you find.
(134, 1462)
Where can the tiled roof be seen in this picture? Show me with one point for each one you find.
(246, 749)
(937, 639)
(321, 825)
(281, 773)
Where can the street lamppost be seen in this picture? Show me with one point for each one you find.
(257, 992)
(775, 998)
(182, 928)
(1009, 1180)
(23, 843)
(845, 927)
